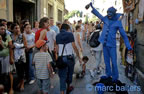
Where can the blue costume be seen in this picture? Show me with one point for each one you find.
(108, 38)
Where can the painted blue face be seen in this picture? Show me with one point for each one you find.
(111, 12)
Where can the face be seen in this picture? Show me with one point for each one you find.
(79, 30)
(51, 22)
(46, 24)
(5, 23)
(45, 47)
(28, 28)
(36, 24)
(2, 30)
(110, 15)
(16, 29)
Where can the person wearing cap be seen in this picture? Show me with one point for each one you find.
(112, 23)
(43, 67)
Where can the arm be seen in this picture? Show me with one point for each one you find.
(11, 53)
(96, 13)
(125, 38)
(42, 35)
(24, 41)
(76, 51)
(50, 69)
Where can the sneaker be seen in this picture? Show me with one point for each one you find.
(31, 82)
(92, 73)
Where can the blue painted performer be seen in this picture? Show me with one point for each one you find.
(112, 24)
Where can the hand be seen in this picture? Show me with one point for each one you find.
(11, 61)
(27, 49)
(81, 49)
(91, 5)
(129, 49)
(51, 75)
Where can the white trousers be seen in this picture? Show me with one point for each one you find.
(98, 58)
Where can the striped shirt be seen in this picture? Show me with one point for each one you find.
(41, 60)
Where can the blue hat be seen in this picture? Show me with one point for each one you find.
(112, 10)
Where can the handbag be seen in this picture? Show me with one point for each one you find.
(61, 62)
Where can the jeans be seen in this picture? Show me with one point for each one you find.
(31, 67)
(29, 57)
(66, 74)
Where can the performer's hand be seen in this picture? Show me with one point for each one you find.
(91, 5)
(130, 49)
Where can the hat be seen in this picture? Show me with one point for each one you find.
(40, 43)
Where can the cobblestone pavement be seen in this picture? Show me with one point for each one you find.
(80, 84)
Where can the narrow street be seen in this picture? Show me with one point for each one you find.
(80, 84)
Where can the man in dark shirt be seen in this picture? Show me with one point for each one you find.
(65, 74)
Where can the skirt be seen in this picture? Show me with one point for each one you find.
(5, 66)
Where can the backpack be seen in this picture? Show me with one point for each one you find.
(93, 42)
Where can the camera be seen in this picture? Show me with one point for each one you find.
(87, 6)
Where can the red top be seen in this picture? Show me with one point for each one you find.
(37, 35)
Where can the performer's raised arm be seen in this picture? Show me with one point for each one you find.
(96, 13)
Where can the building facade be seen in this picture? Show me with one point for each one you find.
(32, 10)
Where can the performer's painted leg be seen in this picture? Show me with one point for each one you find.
(106, 53)
(113, 55)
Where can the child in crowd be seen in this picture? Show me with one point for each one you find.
(82, 73)
(43, 67)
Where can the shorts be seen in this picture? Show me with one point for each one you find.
(44, 85)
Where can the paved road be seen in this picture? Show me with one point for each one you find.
(80, 84)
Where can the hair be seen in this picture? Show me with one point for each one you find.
(24, 26)
(13, 26)
(1, 20)
(51, 18)
(9, 24)
(79, 21)
(77, 27)
(65, 26)
(42, 21)
(58, 23)
(34, 23)
(65, 20)
(98, 26)
(1, 24)
(3, 36)
(85, 58)
(24, 21)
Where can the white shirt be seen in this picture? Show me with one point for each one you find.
(68, 50)
(76, 41)
(100, 47)
(30, 39)
(51, 36)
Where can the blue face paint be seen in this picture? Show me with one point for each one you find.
(111, 12)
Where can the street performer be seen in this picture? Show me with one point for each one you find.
(112, 23)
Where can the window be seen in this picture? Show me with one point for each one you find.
(50, 10)
(59, 15)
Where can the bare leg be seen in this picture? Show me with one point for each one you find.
(1, 89)
(11, 84)
(22, 85)
(62, 92)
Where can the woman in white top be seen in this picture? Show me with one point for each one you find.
(30, 38)
(78, 40)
